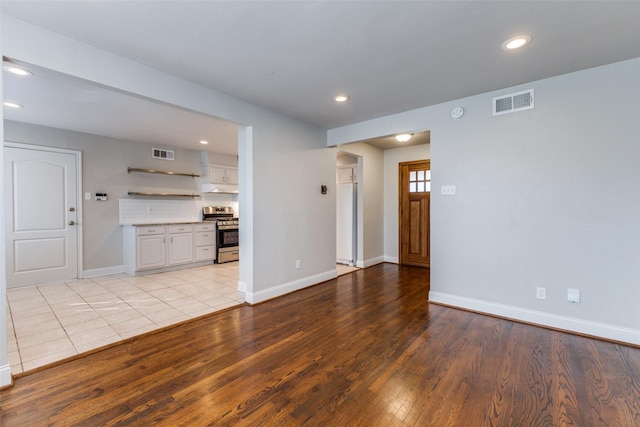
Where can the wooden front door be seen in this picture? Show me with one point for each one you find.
(415, 195)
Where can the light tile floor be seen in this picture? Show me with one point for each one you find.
(345, 269)
(47, 323)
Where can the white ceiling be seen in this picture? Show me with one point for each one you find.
(294, 56)
(56, 100)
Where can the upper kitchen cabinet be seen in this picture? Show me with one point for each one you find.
(219, 174)
(220, 179)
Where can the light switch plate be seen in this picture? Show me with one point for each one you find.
(448, 190)
(87, 196)
(573, 295)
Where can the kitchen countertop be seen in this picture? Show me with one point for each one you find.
(165, 223)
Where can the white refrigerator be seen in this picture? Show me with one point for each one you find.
(346, 223)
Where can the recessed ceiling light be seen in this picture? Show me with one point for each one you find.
(12, 104)
(403, 137)
(15, 69)
(516, 42)
(203, 142)
(341, 98)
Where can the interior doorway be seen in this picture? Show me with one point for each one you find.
(415, 197)
(346, 209)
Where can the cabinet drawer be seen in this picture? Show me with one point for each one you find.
(150, 230)
(205, 227)
(205, 238)
(184, 228)
(204, 253)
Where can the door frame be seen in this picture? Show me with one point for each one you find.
(359, 205)
(78, 160)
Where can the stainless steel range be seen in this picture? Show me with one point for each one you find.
(227, 235)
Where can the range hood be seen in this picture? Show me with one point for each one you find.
(219, 188)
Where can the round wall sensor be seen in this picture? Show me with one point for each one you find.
(457, 112)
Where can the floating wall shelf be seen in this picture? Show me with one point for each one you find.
(137, 193)
(192, 175)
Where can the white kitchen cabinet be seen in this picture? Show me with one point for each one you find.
(232, 176)
(180, 244)
(150, 248)
(223, 175)
(155, 248)
(205, 242)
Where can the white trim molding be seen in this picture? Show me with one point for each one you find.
(285, 288)
(5, 376)
(391, 259)
(104, 271)
(369, 262)
(569, 324)
(242, 286)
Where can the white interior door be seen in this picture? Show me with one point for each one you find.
(345, 224)
(41, 216)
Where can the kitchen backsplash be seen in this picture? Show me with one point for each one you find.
(151, 211)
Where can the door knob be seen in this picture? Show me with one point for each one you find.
(72, 223)
(72, 209)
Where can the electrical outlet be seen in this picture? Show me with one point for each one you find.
(573, 295)
(541, 293)
(297, 263)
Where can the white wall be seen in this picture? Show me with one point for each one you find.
(5, 369)
(392, 158)
(545, 197)
(291, 219)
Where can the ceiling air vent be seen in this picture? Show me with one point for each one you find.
(513, 102)
(160, 153)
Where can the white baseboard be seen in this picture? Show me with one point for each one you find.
(105, 271)
(276, 291)
(5, 376)
(369, 262)
(586, 327)
(242, 286)
(391, 259)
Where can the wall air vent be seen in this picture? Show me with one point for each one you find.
(160, 153)
(513, 102)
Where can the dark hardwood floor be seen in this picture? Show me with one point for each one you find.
(365, 349)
